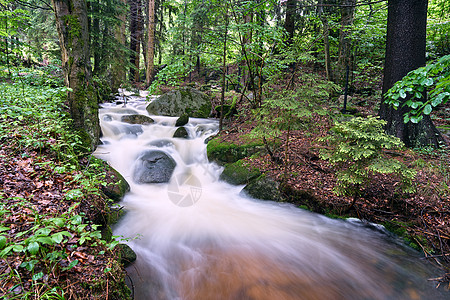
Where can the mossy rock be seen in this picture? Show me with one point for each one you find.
(182, 120)
(115, 214)
(264, 188)
(225, 152)
(137, 119)
(126, 254)
(117, 185)
(181, 101)
(239, 173)
(181, 132)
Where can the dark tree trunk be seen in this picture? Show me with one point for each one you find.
(344, 60)
(72, 25)
(289, 23)
(135, 37)
(118, 70)
(405, 51)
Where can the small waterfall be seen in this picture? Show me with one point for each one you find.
(199, 238)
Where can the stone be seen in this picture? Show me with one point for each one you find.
(117, 185)
(181, 132)
(127, 255)
(161, 143)
(238, 173)
(181, 101)
(181, 121)
(137, 119)
(263, 188)
(154, 166)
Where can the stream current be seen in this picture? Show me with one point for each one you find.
(199, 238)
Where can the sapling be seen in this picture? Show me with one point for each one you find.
(357, 149)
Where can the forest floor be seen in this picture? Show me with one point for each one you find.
(421, 218)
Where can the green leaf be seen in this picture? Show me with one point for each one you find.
(33, 248)
(3, 241)
(37, 276)
(427, 110)
(402, 93)
(17, 248)
(429, 82)
(71, 265)
(406, 118)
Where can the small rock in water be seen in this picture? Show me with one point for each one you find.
(137, 119)
(154, 166)
(181, 132)
(183, 120)
(161, 143)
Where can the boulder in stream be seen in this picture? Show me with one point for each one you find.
(182, 120)
(154, 166)
(263, 188)
(137, 119)
(181, 101)
(181, 132)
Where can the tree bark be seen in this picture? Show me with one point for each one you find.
(72, 26)
(344, 60)
(326, 43)
(135, 37)
(289, 23)
(405, 51)
(150, 42)
(118, 68)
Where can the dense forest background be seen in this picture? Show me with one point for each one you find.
(303, 78)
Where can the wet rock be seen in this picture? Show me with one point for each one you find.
(137, 119)
(117, 186)
(263, 188)
(154, 166)
(181, 132)
(107, 118)
(181, 101)
(181, 121)
(161, 143)
(132, 129)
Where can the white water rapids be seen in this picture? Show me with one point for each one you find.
(199, 238)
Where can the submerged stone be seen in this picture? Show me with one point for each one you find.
(137, 119)
(181, 132)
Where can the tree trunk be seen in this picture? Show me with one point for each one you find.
(344, 60)
(118, 68)
(289, 23)
(405, 51)
(135, 37)
(150, 42)
(72, 26)
(326, 43)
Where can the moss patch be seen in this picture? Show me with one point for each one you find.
(225, 152)
(239, 173)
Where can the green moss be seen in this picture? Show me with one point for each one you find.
(239, 173)
(225, 152)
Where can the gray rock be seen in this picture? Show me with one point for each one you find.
(181, 132)
(181, 101)
(132, 129)
(161, 143)
(154, 166)
(137, 119)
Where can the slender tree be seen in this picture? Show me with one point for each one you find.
(405, 51)
(150, 42)
(72, 25)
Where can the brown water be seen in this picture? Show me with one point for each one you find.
(199, 238)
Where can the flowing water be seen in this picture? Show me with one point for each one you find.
(199, 238)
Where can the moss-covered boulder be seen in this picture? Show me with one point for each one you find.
(137, 119)
(263, 188)
(117, 185)
(225, 152)
(181, 101)
(239, 173)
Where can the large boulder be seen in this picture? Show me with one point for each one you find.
(181, 101)
(154, 166)
(239, 173)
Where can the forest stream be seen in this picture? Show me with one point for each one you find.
(197, 237)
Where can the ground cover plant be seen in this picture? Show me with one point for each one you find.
(50, 247)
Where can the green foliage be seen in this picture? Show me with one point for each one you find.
(411, 89)
(356, 148)
(292, 109)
